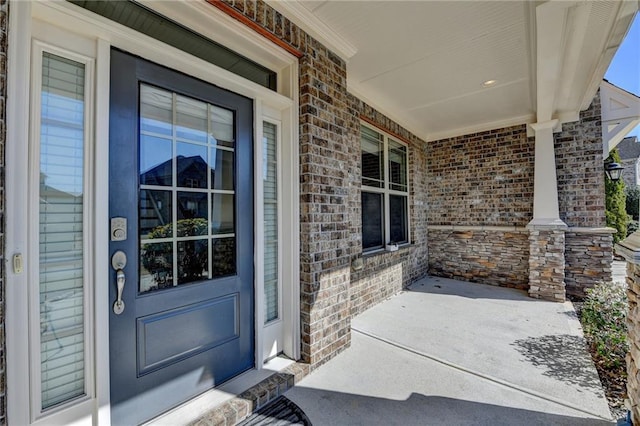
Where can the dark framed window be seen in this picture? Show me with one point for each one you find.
(385, 190)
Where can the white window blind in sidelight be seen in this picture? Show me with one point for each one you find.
(270, 199)
(62, 334)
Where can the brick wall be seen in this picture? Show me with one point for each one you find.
(588, 257)
(4, 18)
(324, 191)
(384, 274)
(496, 257)
(330, 176)
(481, 179)
(580, 169)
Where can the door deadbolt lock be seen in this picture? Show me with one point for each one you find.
(118, 228)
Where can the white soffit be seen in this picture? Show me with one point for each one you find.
(423, 63)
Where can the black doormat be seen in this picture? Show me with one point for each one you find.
(279, 412)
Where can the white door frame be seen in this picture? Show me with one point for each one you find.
(105, 34)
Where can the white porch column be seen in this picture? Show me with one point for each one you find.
(546, 230)
(545, 187)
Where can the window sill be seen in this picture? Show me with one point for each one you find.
(377, 252)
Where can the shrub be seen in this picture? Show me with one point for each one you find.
(604, 315)
(615, 201)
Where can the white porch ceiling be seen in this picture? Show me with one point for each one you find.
(423, 63)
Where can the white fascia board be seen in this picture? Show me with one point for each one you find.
(619, 30)
(312, 25)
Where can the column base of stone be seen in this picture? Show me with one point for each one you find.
(546, 262)
(588, 257)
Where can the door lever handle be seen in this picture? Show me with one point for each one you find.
(118, 306)
(118, 262)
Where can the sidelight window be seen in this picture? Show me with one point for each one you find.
(60, 149)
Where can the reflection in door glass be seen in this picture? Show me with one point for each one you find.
(187, 190)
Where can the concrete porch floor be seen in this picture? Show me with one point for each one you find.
(454, 353)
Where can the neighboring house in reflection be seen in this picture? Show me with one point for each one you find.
(629, 150)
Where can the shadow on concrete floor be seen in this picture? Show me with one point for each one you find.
(337, 408)
(563, 357)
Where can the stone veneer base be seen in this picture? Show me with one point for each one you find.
(546, 263)
(486, 254)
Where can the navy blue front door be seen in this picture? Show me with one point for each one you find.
(181, 161)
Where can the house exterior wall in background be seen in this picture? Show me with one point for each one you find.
(480, 199)
(480, 194)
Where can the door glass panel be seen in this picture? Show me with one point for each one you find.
(270, 203)
(191, 119)
(222, 169)
(192, 165)
(61, 235)
(155, 110)
(156, 266)
(155, 214)
(171, 220)
(222, 212)
(224, 257)
(192, 214)
(156, 167)
(222, 126)
(193, 261)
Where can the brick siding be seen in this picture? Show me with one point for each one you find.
(580, 169)
(481, 179)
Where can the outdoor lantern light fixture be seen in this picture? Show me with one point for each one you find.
(613, 171)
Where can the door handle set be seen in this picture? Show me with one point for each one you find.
(118, 263)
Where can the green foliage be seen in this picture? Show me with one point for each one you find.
(615, 201)
(157, 258)
(604, 315)
(633, 202)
